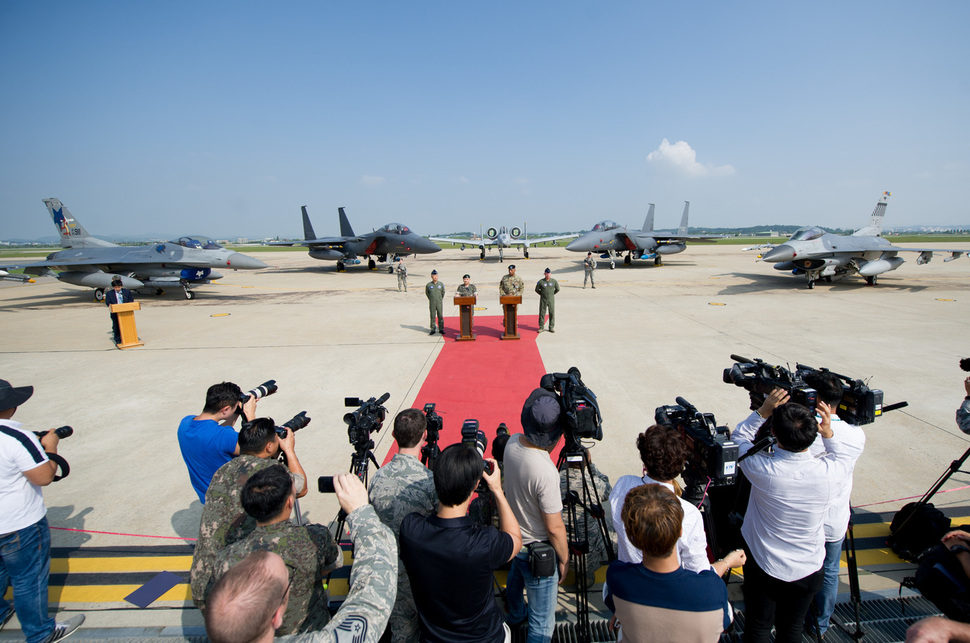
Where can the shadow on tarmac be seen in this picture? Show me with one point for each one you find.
(185, 522)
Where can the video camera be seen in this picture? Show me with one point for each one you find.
(713, 456)
(760, 378)
(266, 388)
(433, 423)
(475, 437)
(367, 419)
(583, 418)
(860, 404)
(298, 421)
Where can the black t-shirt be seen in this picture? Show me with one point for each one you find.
(450, 563)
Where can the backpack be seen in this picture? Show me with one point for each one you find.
(910, 537)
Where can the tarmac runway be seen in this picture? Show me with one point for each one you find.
(645, 335)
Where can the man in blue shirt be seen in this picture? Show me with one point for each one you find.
(450, 559)
(207, 440)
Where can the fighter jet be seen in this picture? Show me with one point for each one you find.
(504, 238)
(394, 239)
(91, 262)
(610, 240)
(818, 254)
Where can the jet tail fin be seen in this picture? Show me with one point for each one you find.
(682, 231)
(874, 229)
(308, 233)
(72, 233)
(648, 222)
(345, 229)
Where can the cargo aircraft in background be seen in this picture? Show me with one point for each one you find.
(818, 254)
(503, 238)
(91, 262)
(610, 240)
(394, 240)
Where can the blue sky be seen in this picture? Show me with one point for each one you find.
(224, 118)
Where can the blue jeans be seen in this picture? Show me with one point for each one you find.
(825, 599)
(25, 563)
(541, 592)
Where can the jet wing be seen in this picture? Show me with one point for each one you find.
(467, 242)
(926, 254)
(535, 240)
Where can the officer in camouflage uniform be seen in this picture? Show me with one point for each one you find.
(259, 584)
(547, 288)
(309, 551)
(436, 294)
(597, 556)
(467, 289)
(402, 275)
(589, 265)
(223, 519)
(510, 284)
(400, 487)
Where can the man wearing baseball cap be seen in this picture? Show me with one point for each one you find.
(532, 488)
(25, 537)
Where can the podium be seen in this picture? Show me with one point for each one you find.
(126, 323)
(510, 304)
(466, 313)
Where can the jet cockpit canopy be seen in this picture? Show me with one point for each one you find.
(807, 234)
(605, 225)
(396, 228)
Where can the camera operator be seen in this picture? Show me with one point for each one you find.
(791, 492)
(249, 602)
(532, 487)
(309, 551)
(963, 413)
(450, 558)
(223, 519)
(25, 536)
(573, 473)
(207, 440)
(400, 487)
(664, 454)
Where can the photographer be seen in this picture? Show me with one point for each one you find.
(309, 551)
(401, 487)
(963, 413)
(250, 600)
(532, 487)
(783, 528)
(223, 519)
(25, 536)
(664, 454)
(450, 558)
(207, 440)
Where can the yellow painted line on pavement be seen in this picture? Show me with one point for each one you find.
(118, 564)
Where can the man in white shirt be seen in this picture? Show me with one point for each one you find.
(783, 529)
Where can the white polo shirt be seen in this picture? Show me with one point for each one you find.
(21, 501)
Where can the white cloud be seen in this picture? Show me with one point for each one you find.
(371, 180)
(681, 157)
(462, 179)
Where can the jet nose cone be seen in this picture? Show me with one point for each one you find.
(429, 246)
(784, 252)
(577, 245)
(239, 261)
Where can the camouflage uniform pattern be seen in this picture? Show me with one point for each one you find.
(589, 265)
(309, 552)
(223, 519)
(436, 294)
(363, 615)
(467, 291)
(400, 487)
(963, 416)
(511, 285)
(402, 277)
(547, 289)
(597, 556)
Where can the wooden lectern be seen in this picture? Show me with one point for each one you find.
(126, 323)
(466, 307)
(510, 303)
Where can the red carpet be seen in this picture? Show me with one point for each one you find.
(487, 380)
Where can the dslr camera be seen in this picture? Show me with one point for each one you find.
(266, 388)
(366, 419)
(298, 421)
(475, 438)
(713, 456)
(581, 411)
(759, 379)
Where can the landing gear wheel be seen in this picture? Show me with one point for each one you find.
(483, 255)
(627, 260)
(828, 280)
(811, 284)
(526, 253)
(871, 281)
(612, 265)
(390, 270)
(340, 266)
(371, 264)
(159, 291)
(99, 294)
(657, 261)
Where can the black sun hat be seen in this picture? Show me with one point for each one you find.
(13, 396)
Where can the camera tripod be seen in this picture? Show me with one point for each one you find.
(361, 457)
(577, 529)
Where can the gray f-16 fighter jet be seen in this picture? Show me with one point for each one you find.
(394, 239)
(503, 238)
(91, 262)
(610, 240)
(818, 254)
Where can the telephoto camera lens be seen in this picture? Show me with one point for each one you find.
(266, 388)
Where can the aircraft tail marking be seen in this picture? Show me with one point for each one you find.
(874, 229)
(345, 229)
(682, 231)
(307, 226)
(648, 222)
(72, 233)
